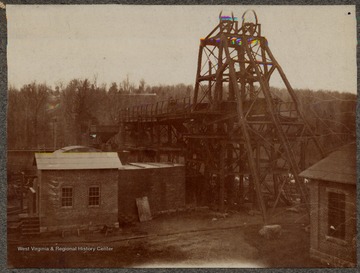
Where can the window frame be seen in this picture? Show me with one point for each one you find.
(98, 196)
(62, 199)
(331, 237)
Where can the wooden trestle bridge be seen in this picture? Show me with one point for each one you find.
(234, 128)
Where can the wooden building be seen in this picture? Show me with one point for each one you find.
(75, 190)
(162, 183)
(332, 183)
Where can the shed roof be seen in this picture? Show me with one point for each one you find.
(339, 166)
(77, 148)
(77, 161)
(149, 165)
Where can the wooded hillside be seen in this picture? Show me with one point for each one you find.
(40, 117)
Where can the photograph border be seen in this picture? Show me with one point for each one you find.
(3, 126)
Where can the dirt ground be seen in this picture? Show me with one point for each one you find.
(198, 238)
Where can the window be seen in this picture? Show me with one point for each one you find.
(66, 197)
(336, 215)
(94, 196)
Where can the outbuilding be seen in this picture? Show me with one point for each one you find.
(162, 184)
(75, 190)
(332, 183)
(81, 189)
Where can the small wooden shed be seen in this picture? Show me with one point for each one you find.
(332, 183)
(162, 183)
(76, 190)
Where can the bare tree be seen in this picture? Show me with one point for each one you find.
(34, 100)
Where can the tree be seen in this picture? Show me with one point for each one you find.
(15, 120)
(34, 96)
(113, 88)
(142, 86)
(80, 107)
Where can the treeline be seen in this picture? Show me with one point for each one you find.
(330, 114)
(40, 117)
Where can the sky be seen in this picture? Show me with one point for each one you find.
(315, 45)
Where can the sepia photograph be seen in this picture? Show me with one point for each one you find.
(181, 136)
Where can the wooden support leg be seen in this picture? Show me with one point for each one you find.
(222, 177)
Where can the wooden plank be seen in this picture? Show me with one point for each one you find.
(143, 209)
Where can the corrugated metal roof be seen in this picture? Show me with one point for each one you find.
(75, 149)
(77, 161)
(339, 166)
(148, 165)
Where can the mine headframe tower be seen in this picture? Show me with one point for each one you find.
(235, 128)
(241, 127)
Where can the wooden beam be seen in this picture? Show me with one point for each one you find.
(243, 125)
(275, 118)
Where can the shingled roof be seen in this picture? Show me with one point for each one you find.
(77, 161)
(339, 166)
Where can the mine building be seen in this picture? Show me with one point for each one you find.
(80, 188)
(332, 183)
(162, 183)
(75, 190)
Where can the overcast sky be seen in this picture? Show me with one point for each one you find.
(315, 45)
